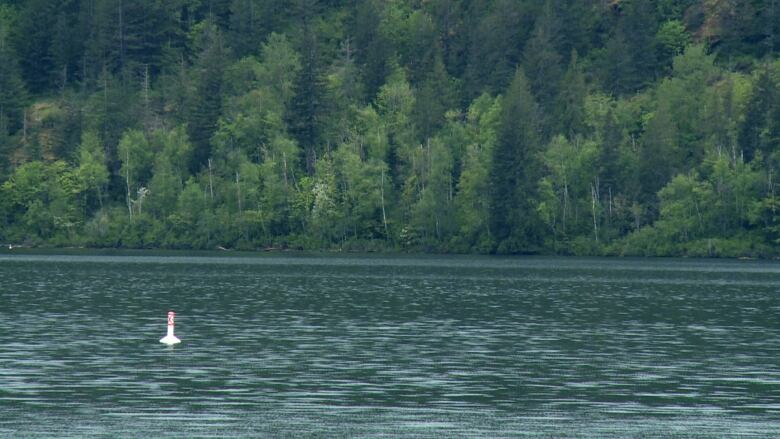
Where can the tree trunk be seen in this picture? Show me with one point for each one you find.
(382, 197)
(593, 209)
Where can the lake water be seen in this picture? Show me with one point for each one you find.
(349, 346)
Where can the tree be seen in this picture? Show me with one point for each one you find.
(92, 169)
(279, 68)
(514, 175)
(568, 188)
(12, 90)
(671, 40)
(41, 201)
(137, 158)
(395, 103)
(569, 106)
(33, 39)
(111, 110)
(192, 222)
(495, 46)
(252, 21)
(67, 45)
(364, 191)
(759, 132)
(305, 118)
(372, 48)
(432, 215)
(326, 216)
(630, 61)
(204, 105)
(435, 96)
(472, 200)
(684, 208)
(344, 92)
(543, 64)
(660, 153)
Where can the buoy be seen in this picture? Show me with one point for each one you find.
(170, 339)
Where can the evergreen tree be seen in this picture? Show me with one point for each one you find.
(146, 27)
(543, 64)
(305, 116)
(451, 18)
(435, 96)
(631, 55)
(759, 133)
(569, 110)
(343, 94)
(473, 196)
(12, 90)
(33, 41)
(204, 104)
(515, 171)
(99, 20)
(495, 46)
(67, 46)
(373, 49)
(252, 21)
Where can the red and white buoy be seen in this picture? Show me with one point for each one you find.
(170, 339)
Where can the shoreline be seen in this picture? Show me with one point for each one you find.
(6, 248)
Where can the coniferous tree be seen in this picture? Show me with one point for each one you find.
(147, 27)
(495, 46)
(542, 62)
(515, 171)
(12, 90)
(13, 97)
(568, 111)
(451, 19)
(436, 95)
(33, 41)
(67, 46)
(755, 132)
(252, 21)
(204, 104)
(372, 48)
(344, 91)
(305, 117)
(630, 54)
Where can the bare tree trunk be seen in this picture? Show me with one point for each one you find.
(24, 126)
(382, 196)
(147, 110)
(211, 182)
(284, 163)
(127, 182)
(100, 196)
(238, 191)
(565, 203)
(121, 35)
(593, 209)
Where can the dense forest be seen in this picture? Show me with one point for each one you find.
(623, 127)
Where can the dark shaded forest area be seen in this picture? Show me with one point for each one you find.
(587, 127)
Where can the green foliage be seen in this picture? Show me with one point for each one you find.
(507, 126)
(672, 39)
(12, 89)
(515, 171)
(92, 170)
(472, 199)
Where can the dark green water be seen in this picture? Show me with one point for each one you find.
(276, 346)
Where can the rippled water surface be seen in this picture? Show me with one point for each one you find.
(325, 346)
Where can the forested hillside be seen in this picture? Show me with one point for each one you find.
(496, 126)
